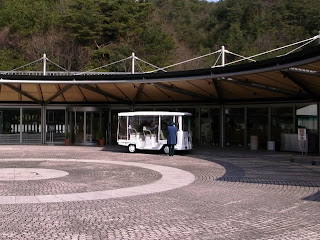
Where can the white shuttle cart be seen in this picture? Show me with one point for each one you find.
(148, 130)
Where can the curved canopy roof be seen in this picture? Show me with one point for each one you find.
(292, 77)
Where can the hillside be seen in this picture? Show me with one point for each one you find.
(83, 34)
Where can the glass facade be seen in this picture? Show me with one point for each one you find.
(210, 126)
(257, 125)
(95, 128)
(205, 127)
(55, 125)
(307, 117)
(113, 125)
(195, 123)
(227, 126)
(234, 127)
(281, 122)
(87, 127)
(9, 125)
(31, 126)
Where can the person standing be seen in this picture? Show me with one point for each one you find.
(172, 137)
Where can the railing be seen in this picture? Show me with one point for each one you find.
(57, 73)
(10, 138)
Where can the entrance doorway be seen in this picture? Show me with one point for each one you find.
(86, 125)
(55, 125)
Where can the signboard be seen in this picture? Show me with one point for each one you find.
(52, 128)
(302, 138)
(302, 134)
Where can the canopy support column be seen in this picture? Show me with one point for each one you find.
(223, 56)
(44, 64)
(133, 63)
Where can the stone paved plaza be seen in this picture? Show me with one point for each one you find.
(60, 192)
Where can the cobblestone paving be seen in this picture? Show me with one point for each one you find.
(82, 177)
(235, 195)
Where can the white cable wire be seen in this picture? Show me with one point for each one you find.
(173, 65)
(122, 60)
(57, 65)
(24, 65)
(140, 67)
(158, 68)
(214, 65)
(276, 49)
(305, 42)
(297, 48)
(243, 58)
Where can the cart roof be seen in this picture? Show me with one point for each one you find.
(154, 113)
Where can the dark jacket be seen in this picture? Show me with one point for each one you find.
(172, 135)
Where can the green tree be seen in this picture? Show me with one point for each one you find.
(27, 17)
(10, 59)
(157, 46)
(83, 18)
(124, 20)
(235, 39)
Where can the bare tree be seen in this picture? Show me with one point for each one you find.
(59, 47)
(4, 37)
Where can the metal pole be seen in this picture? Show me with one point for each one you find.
(44, 64)
(21, 125)
(294, 119)
(43, 124)
(84, 127)
(133, 63)
(222, 125)
(223, 56)
(269, 122)
(198, 124)
(245, 119)
(109, 126)
(318, 121)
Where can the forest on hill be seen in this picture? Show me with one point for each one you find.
(84, 34)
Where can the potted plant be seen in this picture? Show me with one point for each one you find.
(101, 139)
(67, 139)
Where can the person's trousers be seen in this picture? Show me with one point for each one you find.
(171, 149)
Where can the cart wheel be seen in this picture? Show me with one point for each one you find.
(166, 149)
(132, 148)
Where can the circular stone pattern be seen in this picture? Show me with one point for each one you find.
(172, 178)
(25, 174)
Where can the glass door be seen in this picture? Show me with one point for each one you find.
(86, 127)
(55, 125)
(234, 127)
(257, 125)
(93, 130)
(77, 120)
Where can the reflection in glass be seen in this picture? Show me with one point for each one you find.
(234, 126)
(77, 127)
(194, 123)
(122, 129)
(281, 122)
(257, 125)
(306, 116)
(210, 126)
